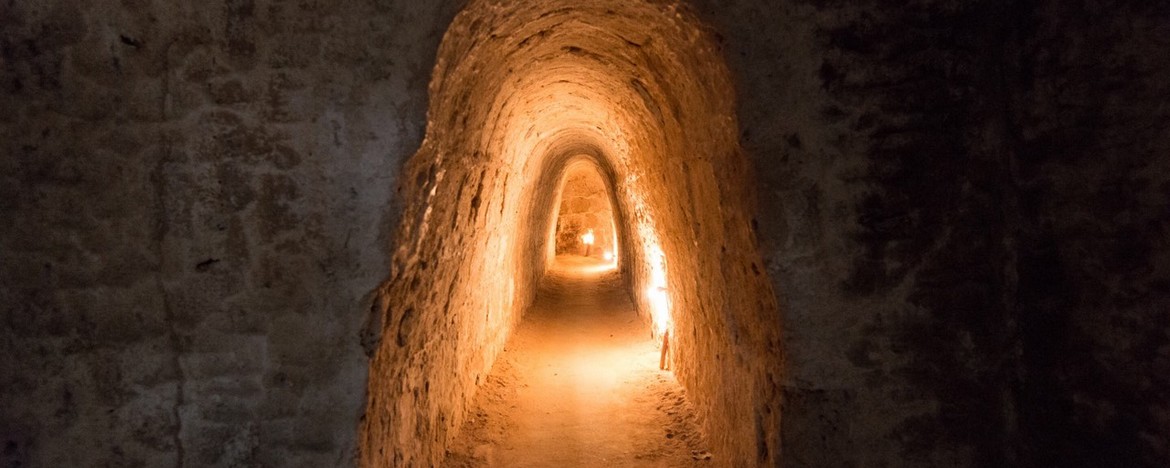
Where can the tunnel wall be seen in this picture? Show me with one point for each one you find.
(519, 89)
(961, 206)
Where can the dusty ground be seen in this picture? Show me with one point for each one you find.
(579, 385)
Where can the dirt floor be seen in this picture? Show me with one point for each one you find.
(579, 385)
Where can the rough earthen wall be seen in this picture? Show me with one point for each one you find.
(961, 205)
(520, 91)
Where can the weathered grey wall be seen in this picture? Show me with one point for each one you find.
(881, 175)
(195, 199)
(962, 207)
(1093, 176)
(964, 211)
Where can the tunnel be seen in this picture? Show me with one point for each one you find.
(585, 223)
(355, 233)
(535, 108)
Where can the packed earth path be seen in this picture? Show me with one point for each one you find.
(579, 385)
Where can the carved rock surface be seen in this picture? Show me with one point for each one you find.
(293, 233)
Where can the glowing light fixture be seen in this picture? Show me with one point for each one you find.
(659, 308)
(608, 256)
(587, 239)
(660, 313)
(656, 294)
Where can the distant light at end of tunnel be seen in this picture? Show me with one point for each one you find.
(588, 239)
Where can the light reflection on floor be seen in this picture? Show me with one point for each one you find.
(581, 266)
(579, 385)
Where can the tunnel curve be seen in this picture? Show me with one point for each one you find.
(520, 91)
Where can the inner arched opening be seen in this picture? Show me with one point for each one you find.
(585, 223)
(584, 235)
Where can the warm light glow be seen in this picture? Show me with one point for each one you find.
(588, 237)
(659, 308)
(656, 294)
(608, 256)
(581, 266)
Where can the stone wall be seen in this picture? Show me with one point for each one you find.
(1091, 143)
(882, 176)
(521, 91)
(963, 213)
(196, 200)
(961, 207)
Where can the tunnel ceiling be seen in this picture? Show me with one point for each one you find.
(520, 91)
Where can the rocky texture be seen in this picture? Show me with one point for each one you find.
(521, 92)
(196, 199)
(961, 206)
(1094, 263)
(584, 207)
(579, 384)
(964, 213)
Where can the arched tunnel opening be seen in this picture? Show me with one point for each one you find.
(585, 222)
(552, 124)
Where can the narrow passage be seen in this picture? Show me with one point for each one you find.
(579, 385)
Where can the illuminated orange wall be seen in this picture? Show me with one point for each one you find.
(521, 91)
